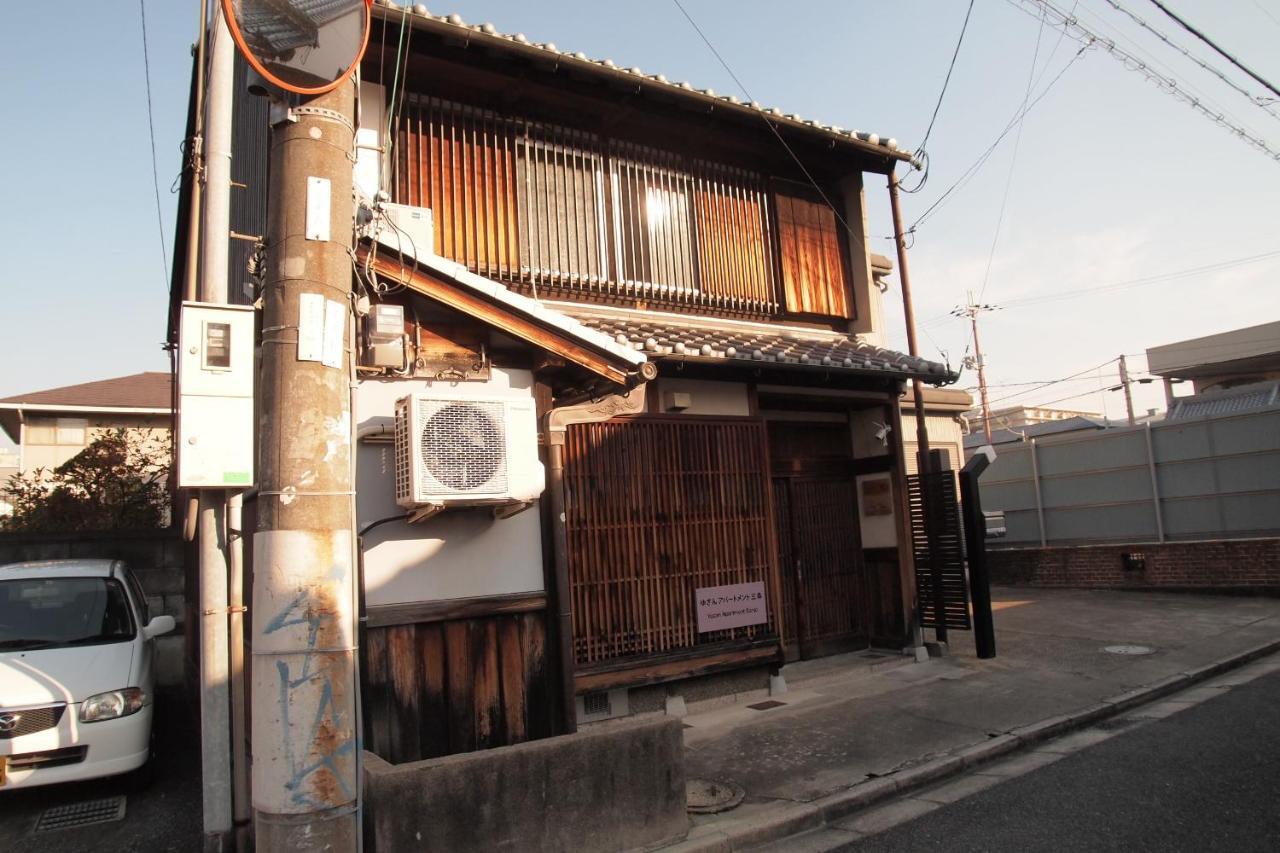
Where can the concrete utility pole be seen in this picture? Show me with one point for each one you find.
(304, 727)
(972, 310)
(1128, 392)
(215, 698)
(925, 465)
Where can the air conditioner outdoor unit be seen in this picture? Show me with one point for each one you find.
(453, 451)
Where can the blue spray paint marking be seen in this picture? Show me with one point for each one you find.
(299, 612)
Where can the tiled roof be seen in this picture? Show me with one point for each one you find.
(662, 336)
(418, 12)
(139, 391)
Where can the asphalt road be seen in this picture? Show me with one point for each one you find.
(1204, 779)
(161, 815)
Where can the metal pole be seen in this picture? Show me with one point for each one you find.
(975, 538)
(1128, 392)
(563, 602)
(215, 700)
(982, 376)
(922, 432)
(196, 155)
(1035, 480)
(1155, 485)
(304, 720)
(235, 618)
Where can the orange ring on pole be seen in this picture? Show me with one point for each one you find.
(229, 16)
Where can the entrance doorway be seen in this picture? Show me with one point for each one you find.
(815, 504)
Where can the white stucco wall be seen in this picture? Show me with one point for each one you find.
(707, 397)
(459, 554)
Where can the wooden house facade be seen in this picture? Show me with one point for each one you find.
(682, 284)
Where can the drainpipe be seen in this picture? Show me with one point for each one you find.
(235, 616)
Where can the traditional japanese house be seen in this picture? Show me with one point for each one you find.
(681, 285)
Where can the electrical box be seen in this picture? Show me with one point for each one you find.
(384, 337)
(215, 396)
(409, 228)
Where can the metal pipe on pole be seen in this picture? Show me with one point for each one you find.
(304, 722)
(922, 431)
(1128, 392)
(982, 376)
(215, 700)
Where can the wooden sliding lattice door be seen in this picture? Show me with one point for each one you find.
(657, 508)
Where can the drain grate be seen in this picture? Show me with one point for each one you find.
(85, 813)
(764, 706)
(1129, 649)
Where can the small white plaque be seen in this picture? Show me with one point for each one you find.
(732, 606)
(335, 328)
(310, 326)
(318, 195)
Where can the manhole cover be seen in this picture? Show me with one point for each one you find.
(1129, 650)
(766, 705)
(86, 813)
(704, 796)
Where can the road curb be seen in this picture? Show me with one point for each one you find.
(741, 835)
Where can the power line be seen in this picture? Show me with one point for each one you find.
(947, 80)
(1013, 164)
(839, 217)
(1017, 118)
(1204, 38)
(1256, 100)
(1119, 285)
(155, 172)
(1164, 82)
(1054, 382)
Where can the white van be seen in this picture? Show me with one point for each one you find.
(76, 676)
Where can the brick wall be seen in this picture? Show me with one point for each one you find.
(156, 556)
(1233, 564)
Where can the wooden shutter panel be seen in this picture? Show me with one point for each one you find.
(733, 257)
(813, 277)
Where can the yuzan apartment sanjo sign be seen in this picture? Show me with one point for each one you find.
(732, 606)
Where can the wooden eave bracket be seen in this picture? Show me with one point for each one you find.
(623, 374)
(556, 422)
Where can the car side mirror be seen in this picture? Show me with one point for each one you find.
(159, 625)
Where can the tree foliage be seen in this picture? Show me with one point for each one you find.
(118, 482)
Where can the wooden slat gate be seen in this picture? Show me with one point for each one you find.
(824, 579)
(656, 508)
(935, 494)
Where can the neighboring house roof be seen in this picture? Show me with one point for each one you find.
(138, 391)
(487, 36)
(1005, 436)
(1240, 350)
(671, 336)
(1244, 398)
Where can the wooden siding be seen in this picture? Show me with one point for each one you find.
(655, 509)
(813, 270)
(461, 164)
(438, 688)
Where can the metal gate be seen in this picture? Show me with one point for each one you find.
(934, 495)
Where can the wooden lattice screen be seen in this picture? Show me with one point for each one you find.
(655, 509)
(935, 494)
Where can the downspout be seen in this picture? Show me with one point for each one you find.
(555, 427)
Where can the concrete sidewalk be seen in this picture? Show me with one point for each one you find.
(855, 729)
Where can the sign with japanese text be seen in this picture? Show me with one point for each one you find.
(732, 606)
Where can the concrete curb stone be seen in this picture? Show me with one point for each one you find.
(804, 817)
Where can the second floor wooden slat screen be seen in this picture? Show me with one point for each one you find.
(564, 209)
(461, 164)
(812, 267)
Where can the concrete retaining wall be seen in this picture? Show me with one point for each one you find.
(154, 555)
(1248, 565)
(613, 786)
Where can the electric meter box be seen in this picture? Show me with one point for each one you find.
(215, 396)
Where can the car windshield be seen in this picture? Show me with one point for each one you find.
(41, 613)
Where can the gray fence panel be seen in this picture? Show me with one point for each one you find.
(1130, 484)
(1013, 462)
(1022, 526)
(1092, 451)
(1009, 496)
(1180, 440)
(1117, 523)
(1255, 473)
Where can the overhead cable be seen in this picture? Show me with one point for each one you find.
(946, 80)
(151, 124)
(1164, 82)
(1204, 38)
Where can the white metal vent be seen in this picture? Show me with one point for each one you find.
(464, 447)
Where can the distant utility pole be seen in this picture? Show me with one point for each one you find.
(1125, 382)
(971, 310)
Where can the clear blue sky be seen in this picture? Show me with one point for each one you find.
(1114, 180)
